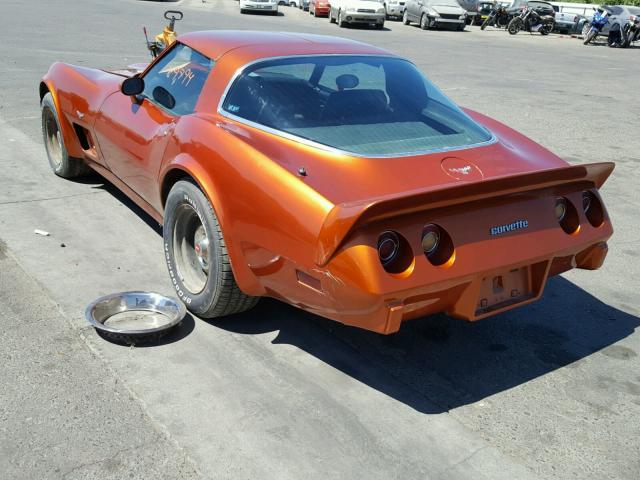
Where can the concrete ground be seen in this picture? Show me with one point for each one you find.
(551, 390)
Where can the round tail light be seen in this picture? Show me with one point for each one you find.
(395, 253)
(567, 216)
(437, 245)
(430, 241)
(561, 209)
(593, 208)
(388, 247)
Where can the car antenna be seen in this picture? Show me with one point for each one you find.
(144, 29)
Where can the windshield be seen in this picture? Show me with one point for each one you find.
(378, 106)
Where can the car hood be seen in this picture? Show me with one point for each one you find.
(363, 5)
(448, 9)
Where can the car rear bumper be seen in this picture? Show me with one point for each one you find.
(485, 275)
(322, 9)
(260, 7)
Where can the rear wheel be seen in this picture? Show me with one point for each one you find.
(515, 25)
(61, 163)
(197, 257)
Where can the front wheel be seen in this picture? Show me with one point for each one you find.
(59, 160)
(341, 23)
(196, 255)
(590, 36)
(486, 22)
(515, 25)
(331, 19)
(405, 18)
(545, 29)
(424, 22)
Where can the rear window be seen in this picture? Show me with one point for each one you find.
(378, 106)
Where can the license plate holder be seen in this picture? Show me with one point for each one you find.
(503, 289)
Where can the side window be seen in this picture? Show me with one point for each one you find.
(175, 82)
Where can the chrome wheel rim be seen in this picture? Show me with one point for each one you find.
(191, 249)
(52, 137)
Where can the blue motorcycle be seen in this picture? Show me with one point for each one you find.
(600, 19)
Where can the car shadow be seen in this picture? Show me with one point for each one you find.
(437, 363)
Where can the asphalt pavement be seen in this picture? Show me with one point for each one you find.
(550, 390)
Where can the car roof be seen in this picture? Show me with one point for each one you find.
(216, 43)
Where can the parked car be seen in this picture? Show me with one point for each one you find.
(327, 173)
(265, 6)
(363, 12)
(301, 4)
(319, 8)
(435, 14)
(565, 22)
(471, 6)
(395, 8)
(483, 10)
(618, 15)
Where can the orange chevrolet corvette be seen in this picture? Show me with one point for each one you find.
(329, 174)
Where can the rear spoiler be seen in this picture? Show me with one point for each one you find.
(343, 218)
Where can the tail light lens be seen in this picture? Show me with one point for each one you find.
(593, 209)
(394, 252)
(437, 245)
(633, 18)
(388, 247)
(567, 216)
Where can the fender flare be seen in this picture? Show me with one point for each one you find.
(71, 142)
(184, 165)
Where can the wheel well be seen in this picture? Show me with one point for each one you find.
(43, 90)
(170, 179)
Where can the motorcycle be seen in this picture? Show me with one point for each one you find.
(593, 28)
(531, 21)
(498, 17)
(623, 36)
(168, 35)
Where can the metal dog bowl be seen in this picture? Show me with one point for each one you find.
(135, 316)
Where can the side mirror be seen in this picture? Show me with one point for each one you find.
(132, 86)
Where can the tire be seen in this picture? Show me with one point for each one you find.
(424, 22)
(545, 30)
(331, 19)
(501, 22)
(515, 25)
(341, 23)
(405, 18)
(461, 27)
(200, 270)
(379, 26)
(590, 36)
(485, 23)
(586, 28)
(59, 160)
